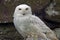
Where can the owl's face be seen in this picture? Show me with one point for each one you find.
(23, 9)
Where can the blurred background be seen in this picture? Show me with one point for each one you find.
(47, 10)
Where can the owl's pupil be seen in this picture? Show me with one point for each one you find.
(19, 8)
(26, 8)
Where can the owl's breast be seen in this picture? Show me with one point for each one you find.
(22, 20)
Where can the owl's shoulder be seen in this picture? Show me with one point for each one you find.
(35, 17)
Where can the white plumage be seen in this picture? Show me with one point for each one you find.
(31, 26)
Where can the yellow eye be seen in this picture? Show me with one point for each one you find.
(26, 8)
(20, 9)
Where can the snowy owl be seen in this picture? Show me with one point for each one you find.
(30, 26)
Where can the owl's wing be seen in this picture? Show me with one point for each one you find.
(37, 21)
(43, 27)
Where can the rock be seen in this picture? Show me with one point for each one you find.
(57, 31)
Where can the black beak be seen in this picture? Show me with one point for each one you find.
(23, 13)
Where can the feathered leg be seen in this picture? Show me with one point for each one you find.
(33, 36)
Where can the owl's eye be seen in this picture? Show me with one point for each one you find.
(26, 8)
(20, 9)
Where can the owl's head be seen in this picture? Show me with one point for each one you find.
(22, 10)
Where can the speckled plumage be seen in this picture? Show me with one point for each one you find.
(30, 26)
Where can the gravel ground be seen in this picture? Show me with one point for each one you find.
(8, 32)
